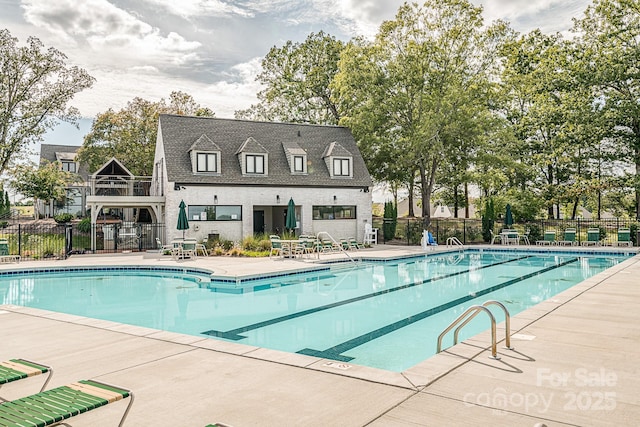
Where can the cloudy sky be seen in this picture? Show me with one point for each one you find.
(212, 49)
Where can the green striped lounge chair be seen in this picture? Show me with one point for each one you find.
(624, 237)
(53, 407)
(593, 237)
(549, 238)
(569, 237)
(18, 369)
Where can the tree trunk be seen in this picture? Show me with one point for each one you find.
(455, 202)
(550, 209)
(426, 187)
(411, 212)
(574, 211)
(466, 200)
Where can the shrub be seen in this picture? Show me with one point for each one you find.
(4, 224)
(84, 226)
(488, 219)
(227, 245)
(63, 218)
(390, 220)
(535, 233)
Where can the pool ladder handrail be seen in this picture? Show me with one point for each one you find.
(471, 313)
(453, 240)
(339, 245)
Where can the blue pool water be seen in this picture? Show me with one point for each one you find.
(386, 315)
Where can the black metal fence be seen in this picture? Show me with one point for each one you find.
(58, 241)
(408, 231)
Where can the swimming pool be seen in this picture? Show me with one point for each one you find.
(381, 314)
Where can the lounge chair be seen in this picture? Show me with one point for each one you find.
(624, 237)
(53, 406)
(549, 238)
(17, 369)
(593, 237)
(569, 237)
(353, 243)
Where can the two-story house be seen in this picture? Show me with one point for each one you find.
(237, 177)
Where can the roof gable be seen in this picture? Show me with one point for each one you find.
(251, 146)
(336, 150)
(112, 168)
(204, 143)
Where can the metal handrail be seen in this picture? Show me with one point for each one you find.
(507, 323)
(475, 309)
(336, 243)
(453, 240)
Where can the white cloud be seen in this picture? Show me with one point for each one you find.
(188, 9)
(106, 34)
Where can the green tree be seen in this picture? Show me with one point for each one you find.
(130, 134)
(390, 220)
(609, 36)
(420, 88)
(35, 88)
(45, 183)
(488, 218)
(296, 77)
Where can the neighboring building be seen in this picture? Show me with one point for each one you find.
(76, 198)
(236, 177)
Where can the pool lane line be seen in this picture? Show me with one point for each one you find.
(234, 334)
(335, 352)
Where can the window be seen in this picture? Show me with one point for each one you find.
(69, 166)
(214, 213)
(255, 163)
(341, 167)
(334, 212)
(207, 162)
(298, 163)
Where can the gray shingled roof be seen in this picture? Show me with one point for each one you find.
(179, 133)
(48, 152)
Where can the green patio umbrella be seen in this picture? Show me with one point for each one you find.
(183, 222)
(508, 217)
(290, 222)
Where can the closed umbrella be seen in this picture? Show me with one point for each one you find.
(290, 222)
(508, 217)
(183, 222)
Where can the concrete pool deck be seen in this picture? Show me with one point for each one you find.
(574, 363)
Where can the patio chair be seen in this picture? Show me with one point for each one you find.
(353, 243)
(18, 369)
(276, 246)
(495, 237)
(624, 237)
(166, 249)
(593, 237)
(569, 237)
(53, 406)
(549, 238)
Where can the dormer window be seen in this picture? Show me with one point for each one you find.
(339, 161)
(296, 157)
(207, 162)
(253, 158)
(254, 163)
(341, 167)
(205, 156)
(69, 166)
